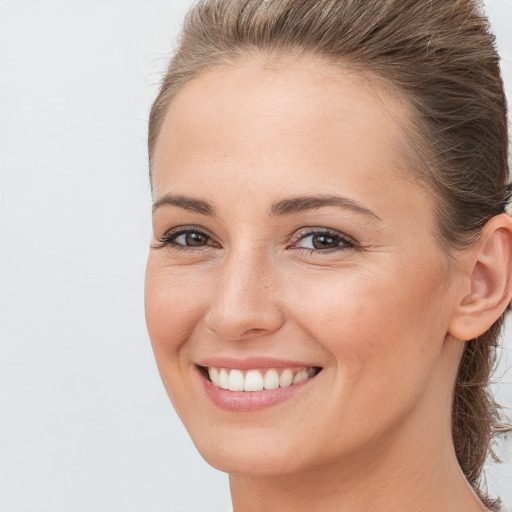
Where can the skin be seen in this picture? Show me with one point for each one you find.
(379, 315)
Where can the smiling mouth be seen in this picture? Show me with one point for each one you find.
(258, 379)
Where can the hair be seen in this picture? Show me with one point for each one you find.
(440, 56)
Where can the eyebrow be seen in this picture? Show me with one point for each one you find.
(283, 207)
(185, 202)
(300, 204)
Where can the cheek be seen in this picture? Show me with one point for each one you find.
(368, 305)
(383, 329)
(174, 306)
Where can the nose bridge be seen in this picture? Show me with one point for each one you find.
(244, 302)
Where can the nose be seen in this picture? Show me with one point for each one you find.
(244, 303)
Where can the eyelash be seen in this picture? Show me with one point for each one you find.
(169, 237)
(345, 241)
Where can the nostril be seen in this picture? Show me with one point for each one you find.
(254, 331)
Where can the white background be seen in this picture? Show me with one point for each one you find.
(85, 424)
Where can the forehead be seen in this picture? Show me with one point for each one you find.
(296, 119)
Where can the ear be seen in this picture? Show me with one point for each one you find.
(487, 287)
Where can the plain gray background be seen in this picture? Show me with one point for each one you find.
(85, 424)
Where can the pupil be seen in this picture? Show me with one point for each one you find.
(324, 242)
(195, 239)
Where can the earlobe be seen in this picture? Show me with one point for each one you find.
(488, 286)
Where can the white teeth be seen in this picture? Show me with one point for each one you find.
(236, 380)
(224, 379)
(271, 380)
(258, 380)
(253, 381)
(300, 376)
(286, 378)
(214, 376)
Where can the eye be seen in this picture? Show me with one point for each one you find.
(185, 238)
(323, 240)
(190, 238)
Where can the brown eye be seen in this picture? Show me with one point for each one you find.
(324, 241)
(185, 239)
(190, 239)
(195, 239)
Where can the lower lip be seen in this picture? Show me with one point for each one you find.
(248, 401)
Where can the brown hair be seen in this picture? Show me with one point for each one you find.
(440, 55)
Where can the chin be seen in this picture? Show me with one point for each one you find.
(253, 461)
(257, 451)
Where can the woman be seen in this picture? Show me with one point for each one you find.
(331, 257)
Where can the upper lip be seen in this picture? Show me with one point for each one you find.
(249, 363)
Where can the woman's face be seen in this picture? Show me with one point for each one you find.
(291, 242)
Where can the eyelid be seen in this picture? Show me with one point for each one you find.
(301, 234)
(166, 240)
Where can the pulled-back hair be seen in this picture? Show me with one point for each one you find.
(440, 56)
